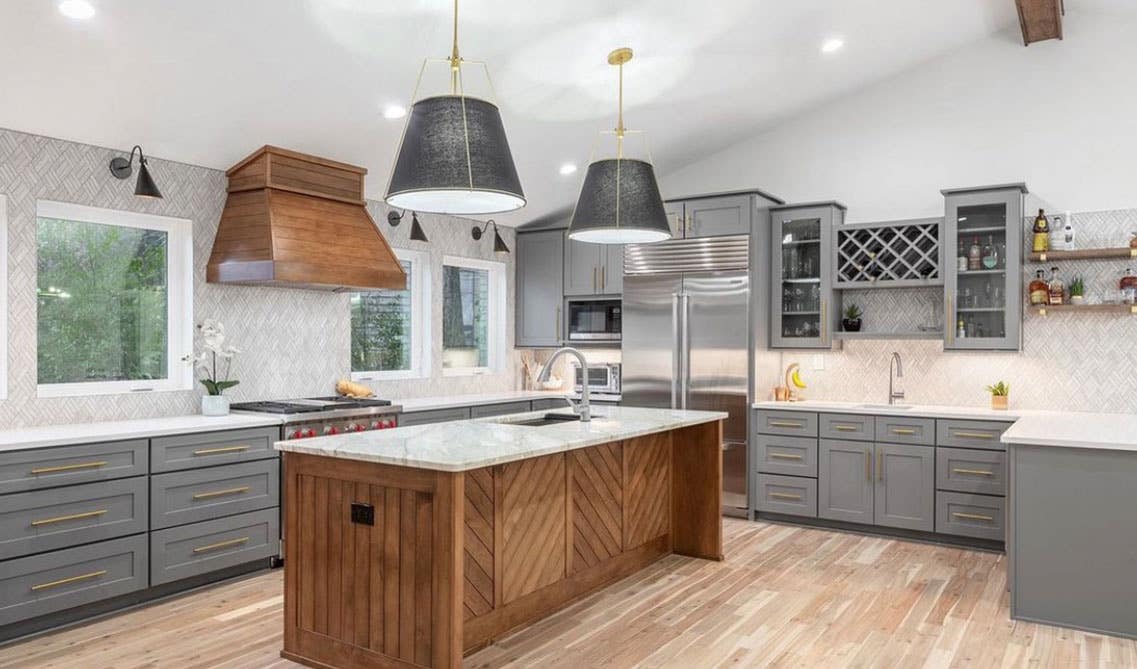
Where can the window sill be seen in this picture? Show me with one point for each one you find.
(467, 371)
(400, 375)
(52, 390)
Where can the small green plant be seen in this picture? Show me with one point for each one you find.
(1000, 389)
(1078, 286)
(853, 312)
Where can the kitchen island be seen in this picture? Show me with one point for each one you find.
(414, 546)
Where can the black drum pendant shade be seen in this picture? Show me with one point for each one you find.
(455, 159)
(619, 204)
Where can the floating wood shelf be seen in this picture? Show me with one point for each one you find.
(1086, 308)
(1084, 254)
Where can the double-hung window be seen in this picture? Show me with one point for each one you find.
(390, 334)
(114, 301)
(473, 316)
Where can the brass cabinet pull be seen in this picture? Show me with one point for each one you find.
(974, 435)
(903, 430)
(67, 468)
(594, 279)
(977, 472)
(221, 544)
(222, 493)
(868, 466)
(559, 324)
(70, 579)
(824, 325)
(880, 466)
(950, 321)
(785, 423)
(74, 516)
(785, 495)
(845, 428)
(971, 516)
(224, 449)
(786, 456)
(603, 279)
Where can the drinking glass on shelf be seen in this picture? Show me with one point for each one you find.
(794, 264)
(965, 298)
(997, 297)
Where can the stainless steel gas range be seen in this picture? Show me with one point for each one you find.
(322, 416)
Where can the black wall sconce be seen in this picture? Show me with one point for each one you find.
(499, 246)
(145, 186)
(416, 230)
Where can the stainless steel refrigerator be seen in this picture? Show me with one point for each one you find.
(686, 339)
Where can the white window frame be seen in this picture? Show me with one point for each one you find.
(3, 297)
(420, 324)
(497, 307)
(179, 304)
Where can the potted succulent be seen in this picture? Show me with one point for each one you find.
(1078, 290)
(852, 320)
(215, 377)
(999, 394)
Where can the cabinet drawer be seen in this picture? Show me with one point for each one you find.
(904, 430)
(41, 584)
(793, 456)
(47, 520)
(846, 426)
(499, 409)
(191, 550)
(66, 465)
(434, 416)
(971, 434)
(545, 405)
(791, 495)
(970, 470)
(190, 451)
(971, 515)
(787, 423)
(203, 494)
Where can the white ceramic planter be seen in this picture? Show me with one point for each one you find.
(214, 405)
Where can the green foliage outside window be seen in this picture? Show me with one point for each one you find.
(381, 329)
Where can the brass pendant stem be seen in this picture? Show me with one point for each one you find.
(618, 58)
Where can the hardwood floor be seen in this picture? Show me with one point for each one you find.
(784, 596)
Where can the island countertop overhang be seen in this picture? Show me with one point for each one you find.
(467, 445)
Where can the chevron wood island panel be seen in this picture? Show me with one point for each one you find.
(433, 565)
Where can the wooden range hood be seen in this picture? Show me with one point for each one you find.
(296, 220)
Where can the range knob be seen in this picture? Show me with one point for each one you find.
(355, 427)
(298, 434)
(377, 425)
(390, 423)
(310, 433)
(331, 429)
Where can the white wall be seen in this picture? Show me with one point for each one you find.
(1059, 115)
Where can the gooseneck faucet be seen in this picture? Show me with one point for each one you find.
(895, 365)
(583, 410)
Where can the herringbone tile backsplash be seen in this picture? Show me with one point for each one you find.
(295, 342)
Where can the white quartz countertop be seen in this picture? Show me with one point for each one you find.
(477, 399)
(86, 433)
(471, 444)
(883, 409)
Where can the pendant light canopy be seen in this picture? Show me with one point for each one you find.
(454, 156)
(620, 202)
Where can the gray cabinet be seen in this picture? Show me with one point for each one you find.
(540, 289)
(845, 481)
(711, 216)
(802, 302)
(202, 494)
(434, 416)
(191, 550)
(984, 300)
(206, 449)
(905, 488)
(791, 495)
(67, 465)
(593, 269)
(503, 409)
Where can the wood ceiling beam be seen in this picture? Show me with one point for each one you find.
(1040, 19)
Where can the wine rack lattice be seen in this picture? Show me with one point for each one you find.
(891, 255)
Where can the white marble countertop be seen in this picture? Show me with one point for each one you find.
(86, 433)
(413, 404)
(471, 444)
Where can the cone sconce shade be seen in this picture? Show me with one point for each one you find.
(144, 186)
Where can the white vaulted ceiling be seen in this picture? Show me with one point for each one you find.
(208, 81)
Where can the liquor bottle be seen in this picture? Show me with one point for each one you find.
(1057, 289)
(961, 329)
(1041, 233)
(961, 259)
(1068, 234)
(1129, 287)
(1058, 235)
(974, 256)
(1039, 289)
(990, 254)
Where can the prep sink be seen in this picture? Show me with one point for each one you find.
(547, 419)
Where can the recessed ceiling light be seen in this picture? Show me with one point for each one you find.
(567, 169)
(832, 45)
(76, 9)
(394, 111)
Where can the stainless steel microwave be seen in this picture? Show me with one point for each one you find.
(602, 378)
(594, 320)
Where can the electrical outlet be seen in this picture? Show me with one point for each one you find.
(362, 514)
(817, 364)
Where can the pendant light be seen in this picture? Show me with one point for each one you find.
(619, 202)
(454, 156)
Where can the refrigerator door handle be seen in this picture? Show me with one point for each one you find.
(675, 351)
(684, 349)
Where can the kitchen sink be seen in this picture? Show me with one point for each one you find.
(886, 407)
(547, 419)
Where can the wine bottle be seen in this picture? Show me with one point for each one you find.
(1041, 230)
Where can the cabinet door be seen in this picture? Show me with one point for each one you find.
(905, 486)
(582, 267)
(714, 216)
(801, 305)
(845, 481)
(675, 218)
(539, 288)
(986, 300)
(612, 270)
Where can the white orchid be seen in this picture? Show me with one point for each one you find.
(213, 340)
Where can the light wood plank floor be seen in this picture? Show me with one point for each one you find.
(784, 596)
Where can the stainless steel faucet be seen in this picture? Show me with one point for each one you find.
(896, 364)
(583, 409)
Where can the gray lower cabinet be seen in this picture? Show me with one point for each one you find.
(905, 430)
(555, 403)
(504, 409)
(39, 468)
(200, 548)
(791, 495)
(971, 470)
(979, 516)
(855, 427)
(41, 584)
(434, 416)
(787, 423)
(788, 456)
(981, 434)
(845, 481)
(46, 520)
(905, 489)
(206, 449)
(202, 494)
(540, 288)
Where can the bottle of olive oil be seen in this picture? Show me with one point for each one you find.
(1041, 233)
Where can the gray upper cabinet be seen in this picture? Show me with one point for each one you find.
(612, 270)
(983, 303)
(802, 301)
(845, 481)
(675, 220)
(712, 216)
(905, 489)
(540, 288)
(593, 269)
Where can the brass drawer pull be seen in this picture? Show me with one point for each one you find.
(903, 430)
(785, 495)
(786, 456)
(222, 493)
(74, 516)
(880, 465)
(845, 428)
(71, 579)
(974, 435)
(976, 472)
(868, 466)
(221, 544)
(971, 516)
(225, 449)
(785, 423)
(67, 468)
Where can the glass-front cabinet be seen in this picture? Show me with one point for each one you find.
(802, 312)
(983, 247)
